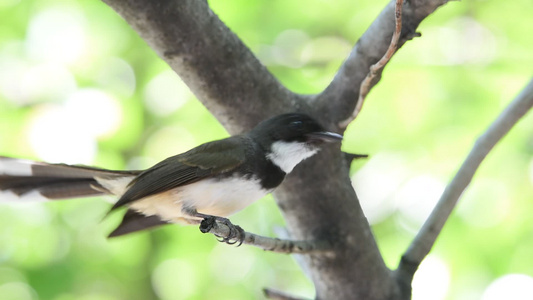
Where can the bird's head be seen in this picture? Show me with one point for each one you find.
(291, 138)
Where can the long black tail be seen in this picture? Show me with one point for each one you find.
(24, 180)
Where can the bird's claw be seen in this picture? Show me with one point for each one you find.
(236, 233)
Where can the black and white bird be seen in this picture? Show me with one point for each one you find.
(218, 178)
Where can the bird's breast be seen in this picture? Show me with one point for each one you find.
(214, 196)
(221, 197)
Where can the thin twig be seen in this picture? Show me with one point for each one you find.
(423, 242)
(366, 83)
(268, 244)
(279, 295)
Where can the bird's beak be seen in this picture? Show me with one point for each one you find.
(324, 136)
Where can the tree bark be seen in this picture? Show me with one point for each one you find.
(317, 200)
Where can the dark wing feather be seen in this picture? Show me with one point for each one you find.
(134, 221)
(201, 162)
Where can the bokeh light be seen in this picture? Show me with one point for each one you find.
(376, 182)
(432, 280)
(54, 136)
(165, 93)
(173, 279)
(416, 199)
(94, 112)
(493, 196)
(511, 286)
(57, 34)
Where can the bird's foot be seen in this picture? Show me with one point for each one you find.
(235, 234)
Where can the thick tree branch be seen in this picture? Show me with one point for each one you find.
(340, 97)
(214, 63)
(429, 232)
(266, 243)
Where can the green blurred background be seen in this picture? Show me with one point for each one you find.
(77, 85)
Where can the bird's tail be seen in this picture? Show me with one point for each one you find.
(24, 180)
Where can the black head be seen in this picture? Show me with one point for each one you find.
(293, 127)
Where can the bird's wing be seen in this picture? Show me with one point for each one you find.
(134, 221)
(198, 163)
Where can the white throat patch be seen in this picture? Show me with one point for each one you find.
(286, 155)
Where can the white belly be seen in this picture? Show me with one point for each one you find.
(211, 197)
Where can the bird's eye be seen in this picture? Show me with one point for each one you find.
(297, 125)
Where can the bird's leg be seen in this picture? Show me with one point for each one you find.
(236, 233)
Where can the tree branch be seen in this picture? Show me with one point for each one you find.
(429, 232)
(341, 96)
(214, 63)
(365, 85)
(266, 243)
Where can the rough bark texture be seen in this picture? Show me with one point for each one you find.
(317, 199)
(218, 68)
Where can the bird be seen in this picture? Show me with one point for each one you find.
(213, 180)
